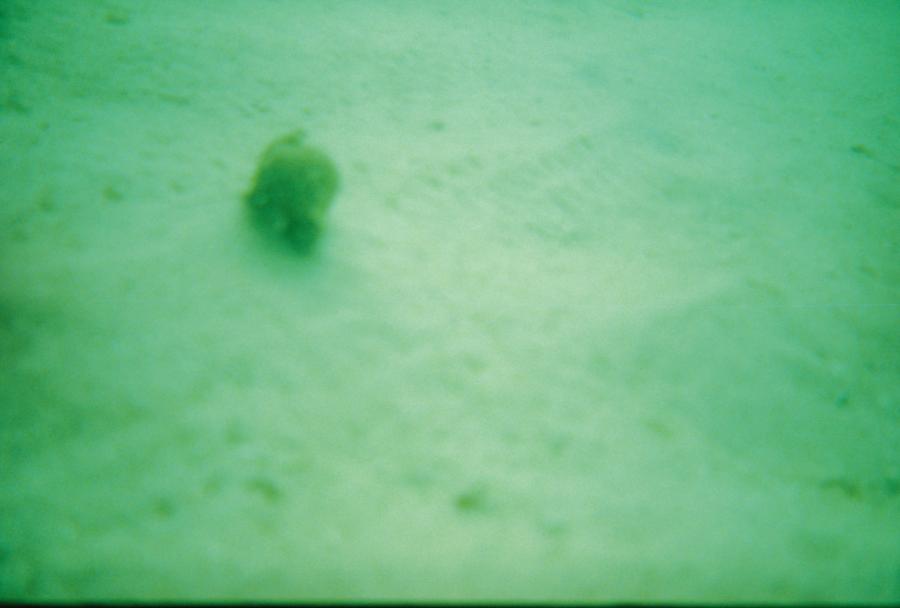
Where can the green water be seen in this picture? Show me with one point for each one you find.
(605, 308)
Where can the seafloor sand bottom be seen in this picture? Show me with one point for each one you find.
(606, 307)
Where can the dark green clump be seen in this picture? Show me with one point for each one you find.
(293, 188)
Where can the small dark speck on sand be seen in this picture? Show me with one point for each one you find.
(862, 150)
(117, 17)
(472, 500)
(265, 488)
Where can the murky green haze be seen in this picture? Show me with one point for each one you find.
(605, 307)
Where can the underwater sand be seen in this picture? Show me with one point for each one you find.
(606, 308)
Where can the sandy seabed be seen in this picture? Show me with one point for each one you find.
(606, 307)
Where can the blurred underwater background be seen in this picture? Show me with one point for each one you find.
(605, 307)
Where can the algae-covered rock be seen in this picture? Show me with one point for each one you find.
(292, 191)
